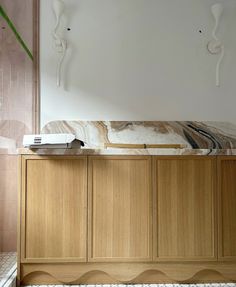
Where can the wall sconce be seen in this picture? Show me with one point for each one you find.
(215, 46)
(60, 44)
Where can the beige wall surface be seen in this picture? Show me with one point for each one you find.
(16, 116)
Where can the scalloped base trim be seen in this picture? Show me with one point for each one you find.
(124, 273)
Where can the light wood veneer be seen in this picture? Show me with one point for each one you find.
(185, 217)
(227, 207)
(120, 209)
(129, 219)
(54, 209)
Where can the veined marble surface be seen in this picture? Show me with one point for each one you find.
(194, 135)
(125, 151)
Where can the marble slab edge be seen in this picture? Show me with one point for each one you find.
(84, 151)
(191, 134)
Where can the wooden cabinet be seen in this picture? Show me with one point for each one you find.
(227, 207)
(120, 209)
(185, 213)
(54, 209)
(138, 219)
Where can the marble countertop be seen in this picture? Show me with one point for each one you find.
(190, 134)
(196, 138)
(125, 151)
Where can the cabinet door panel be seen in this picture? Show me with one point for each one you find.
(185, 209)
(120, 209)
(227, 207)
(55, 209)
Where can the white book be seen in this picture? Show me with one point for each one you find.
(51, 141)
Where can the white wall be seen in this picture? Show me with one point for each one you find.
(138, 60)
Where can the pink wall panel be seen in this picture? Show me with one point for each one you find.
(16, 110)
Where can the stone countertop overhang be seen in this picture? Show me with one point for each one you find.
(195, 138)
(125, 151)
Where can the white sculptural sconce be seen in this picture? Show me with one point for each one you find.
(60, 44)
(215, 46)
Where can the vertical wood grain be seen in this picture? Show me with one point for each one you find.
(55, 211)
(17, 91)
(120, 209)
(19, 180)
(227, 207)
(185, 209)
(17, 69)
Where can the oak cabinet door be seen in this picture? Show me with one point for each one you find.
(120, 210)
(185, 215)
(227, 207)
(54, 209)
